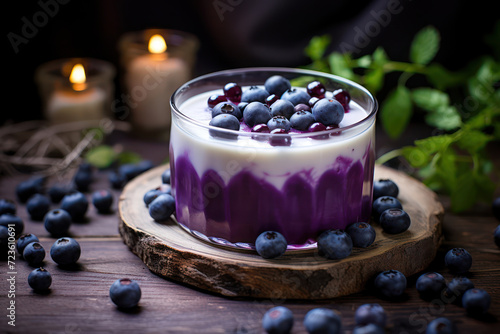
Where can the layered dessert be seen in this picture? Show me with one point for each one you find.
(243, 161)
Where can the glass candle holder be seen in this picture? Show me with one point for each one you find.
(155, 63)
(230, 186)
(76, 89)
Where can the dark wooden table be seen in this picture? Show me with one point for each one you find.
(79, 301)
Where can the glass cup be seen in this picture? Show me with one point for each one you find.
(230, 186)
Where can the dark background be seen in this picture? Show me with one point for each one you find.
(241, 33)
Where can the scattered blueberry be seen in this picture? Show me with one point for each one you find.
(270, 244)
(224, 121)
(34, 253)
(4, 242)
(162, 207)
(441, 326)
(39, 279)
(334, 244)
(261, 128)
(278, 122)
(57, 222)
(302, 120)
(150, 195)
(232, 91)
(125, 293)
(343, 97)
(457, 287)
(278, 320)
(383, 203)
(368, 329)
(394, 221)
(476, 301)
(76, 204)
(316, 89)
(495, 207)
(25, 240)
(362, 234)
(385, 187)
(165, 176)
(430, 285)
(58, 191)
(82, 180)
(282, 108)
(227, 108)
(102, 200)
(296, 96)
(28, 188)
(215, 99)
(131, 170)
(458, 260)
(65, 251)
(9, 219)
(7, 206)
(38, 205)
(496, 235)
(302, 107)
(271, 99)
(390, 284)
(281, 138)
(254, 94)
(256, 113)
(322, 320)
(277, 85)
(328, 111)
(370, 314)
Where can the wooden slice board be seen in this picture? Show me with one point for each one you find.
(169, 251)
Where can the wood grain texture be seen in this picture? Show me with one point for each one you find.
(169, 251)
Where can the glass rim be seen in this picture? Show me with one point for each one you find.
(337, 78)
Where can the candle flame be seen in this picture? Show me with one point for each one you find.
(157, 44)
(77, 77)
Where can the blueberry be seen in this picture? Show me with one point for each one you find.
(278, 320)
(496, 235)
(4, 242)
(495, 207)
(334, 244)
(65, 251)
(301, 120)
(322, 320)
(328, 111)
(76, 204)
(227, 108)
(9, 219)
(282, 108)
(215, 99)
(131, 170)
(117, 180)
(125, 293)
(224, 121)
(370, 314)
(37, 206)
(390, 284)
(28, 188)
(270, 244)
(254, 94)
(165, 176)
(441, 326)
(57, 222)
(383, 203)
(57, 192)
(39, 279)
(34, 253)
(476, 301)
(232, 91)
(277, 85)
(256, 113)
(242, 106)
(457, 287)
(302, 107)
(296, 96)
(102, 200)
(24, 240)
(430, 285)
(362, 234)
(394, 221)
(385, 187)
(316, 89)
(150, 195)
(162, 207)
(7, 206)
(368, 329)
(82, 180)
(279, 122)
(458, 260)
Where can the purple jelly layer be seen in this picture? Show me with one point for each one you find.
(247, 205)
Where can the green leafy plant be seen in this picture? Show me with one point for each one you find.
(462, 106)
(103, 156)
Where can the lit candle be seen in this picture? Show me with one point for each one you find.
(77, 102)
(151, 79)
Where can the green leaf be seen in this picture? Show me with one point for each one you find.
(446, 168)
(415, 156)
(464, 194)
(101, 156)
(445, 118)
(374, 79)
(434, 144)
(396, 111)
(442, 78)
(430, 99)
(473, 141)
(127, 157)
(340, 64)
(317, 47)
(380, 57)
(425, 45)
